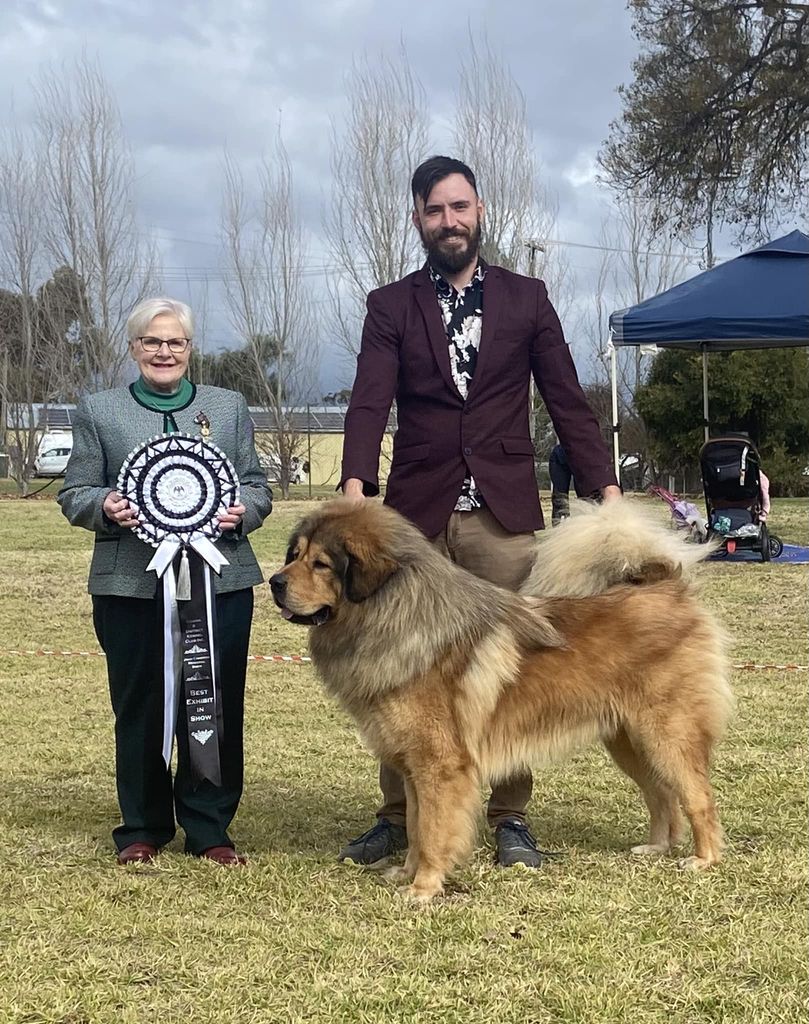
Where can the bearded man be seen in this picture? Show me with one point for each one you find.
(455, 343)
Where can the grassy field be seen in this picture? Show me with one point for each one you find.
(598, 938)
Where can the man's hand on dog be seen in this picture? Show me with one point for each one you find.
(353, 491)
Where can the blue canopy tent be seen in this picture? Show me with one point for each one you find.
(757, 300)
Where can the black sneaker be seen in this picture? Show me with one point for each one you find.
(374, 848)
(516, 845)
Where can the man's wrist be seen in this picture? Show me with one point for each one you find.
(353, 488)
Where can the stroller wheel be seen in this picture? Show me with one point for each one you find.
(766, 551)
(776, 546)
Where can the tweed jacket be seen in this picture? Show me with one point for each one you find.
(108, 425)
(441, 437)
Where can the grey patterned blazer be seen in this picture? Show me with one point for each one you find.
(107, 426)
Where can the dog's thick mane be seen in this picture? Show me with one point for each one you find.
(427, 607)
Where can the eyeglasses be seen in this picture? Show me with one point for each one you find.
(175, 345)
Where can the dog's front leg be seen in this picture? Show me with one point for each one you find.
(407, 871)
(445, 799)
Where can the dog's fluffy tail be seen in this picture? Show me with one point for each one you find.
(601, 546)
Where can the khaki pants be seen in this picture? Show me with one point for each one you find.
(477, 542)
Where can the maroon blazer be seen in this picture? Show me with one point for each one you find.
(440, 437)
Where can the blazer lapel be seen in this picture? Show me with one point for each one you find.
(492, 301)
(433, 321)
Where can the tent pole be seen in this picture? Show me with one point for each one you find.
(616, 449)
(705, 392)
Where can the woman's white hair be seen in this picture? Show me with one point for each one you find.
(145, 311)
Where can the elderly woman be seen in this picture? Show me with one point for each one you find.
(128, 602)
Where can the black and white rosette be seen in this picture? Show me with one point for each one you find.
(178, 486)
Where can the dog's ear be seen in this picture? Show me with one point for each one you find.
(367, 569)
(655, 571)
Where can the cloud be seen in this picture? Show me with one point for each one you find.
(195, 77)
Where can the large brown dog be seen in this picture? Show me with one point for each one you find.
(453, 680)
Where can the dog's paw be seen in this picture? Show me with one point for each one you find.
(695, 864)
(649, 850)
(419, 894)
(397, 874)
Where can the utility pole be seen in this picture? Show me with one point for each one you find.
(533, 248)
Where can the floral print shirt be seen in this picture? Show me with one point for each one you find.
(462, 313)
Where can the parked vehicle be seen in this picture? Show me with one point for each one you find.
(53, 454)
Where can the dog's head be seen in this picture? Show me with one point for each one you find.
(343, 552)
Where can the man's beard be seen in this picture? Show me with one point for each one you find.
(451, 259)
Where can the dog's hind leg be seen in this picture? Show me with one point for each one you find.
(447, 801)
(680, 760)
(665, 819)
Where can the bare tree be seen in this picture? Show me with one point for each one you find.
(89, 212)
(368, 227)
(35, 313)
(641, 262)
(638, 261)
(491, 133)
(268, 298)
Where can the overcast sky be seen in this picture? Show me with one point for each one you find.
(194, 78)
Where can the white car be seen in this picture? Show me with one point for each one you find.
(52, 461)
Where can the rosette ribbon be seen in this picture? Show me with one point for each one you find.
(178, 486)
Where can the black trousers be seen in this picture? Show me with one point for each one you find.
(130, 631)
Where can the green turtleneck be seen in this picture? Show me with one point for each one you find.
(159, 401)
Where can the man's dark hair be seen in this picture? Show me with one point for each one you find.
(428, 175)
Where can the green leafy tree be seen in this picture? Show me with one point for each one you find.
(714, 125)
(250, 369)
(763, 393)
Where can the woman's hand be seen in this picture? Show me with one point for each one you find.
(231, 519)
(119, 511)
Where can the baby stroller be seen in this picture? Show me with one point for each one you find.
(731, 479)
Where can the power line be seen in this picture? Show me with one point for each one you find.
(318, 269)
(610, 248)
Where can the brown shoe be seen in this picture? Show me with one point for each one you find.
(225, 855)
(137, 853)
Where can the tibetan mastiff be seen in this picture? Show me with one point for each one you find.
(453, 680)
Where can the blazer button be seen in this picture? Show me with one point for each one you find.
(467, 451)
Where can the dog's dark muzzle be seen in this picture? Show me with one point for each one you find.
(278, 586)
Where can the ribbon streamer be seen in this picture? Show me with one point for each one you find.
(189, 653)
(203, 706)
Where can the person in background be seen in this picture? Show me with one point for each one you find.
(764, 492)
(561, 479)
(127, 601)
